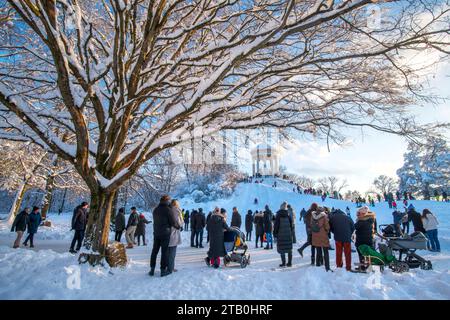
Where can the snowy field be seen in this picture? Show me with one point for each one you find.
(47, 272)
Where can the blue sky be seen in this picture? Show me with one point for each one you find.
(371, 153)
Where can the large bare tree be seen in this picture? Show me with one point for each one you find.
(122, 80)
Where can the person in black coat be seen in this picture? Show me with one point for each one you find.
(342, 227)
(258, 220)
(140, 230)
(307, 220)
(20, 225)
(249, 225)
(216, 226)
(283, 232)
(186, 218)
(199, 225)
(268, 227)
(365, 227)
(207, 219)
(79, 221)
(236, 219)
(163, 221)
(119, 224)
(416, 219)
(34, 221)
(192, 219)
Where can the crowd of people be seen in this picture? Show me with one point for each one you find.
(169, 220)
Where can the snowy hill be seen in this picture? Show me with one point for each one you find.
(43, 273)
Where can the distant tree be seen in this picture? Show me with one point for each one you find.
(426, 167)
(385, 184)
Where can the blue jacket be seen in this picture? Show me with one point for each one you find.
(342, 226)
(34, 220)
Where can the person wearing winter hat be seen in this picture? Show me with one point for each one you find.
(416, 219)
(216, 226)
(320, 228)
(430, 224)
(283, 232)
(268, 227)
(364, 230)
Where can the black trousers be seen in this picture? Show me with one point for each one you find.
(139, 239)
(199, 238)
(313, 249)
(283, 258)
(405, 227)
(30, 237)
(77, 238)
(118, 236)
(323, 256)
(248, 236)
(163, 244)
(186, 226)
(192, 237)
(261, 238)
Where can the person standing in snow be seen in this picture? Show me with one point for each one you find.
(320, 228)
(268, 227)
(416, 219)
(405, 222)
(133, 221)
(302, 214)
(430, 224)
(236, 219)
(397, 219)
(342, 227)
(365, 228)
(192, 219)
(119, 224)
(292, 215)
(186, 220)
(79, 221)
(175, 234)
(163, 221)
(307, 221)
(249, 225)
(207, 219)
(20, 225)
(140, 230)
(258, 220)
(34, 220)
(199, 225)
(283, 232)
(216, 226)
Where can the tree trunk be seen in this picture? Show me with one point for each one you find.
(97, 230)
(17, 202)
(49, 186)
(61, 208)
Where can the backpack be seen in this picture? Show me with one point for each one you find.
(315, 226)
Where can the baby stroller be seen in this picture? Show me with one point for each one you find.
(236, 248)
(385, 256)
(406, 246)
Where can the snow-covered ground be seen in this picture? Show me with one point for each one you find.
(49, 272)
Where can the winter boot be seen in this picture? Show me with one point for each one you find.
(313, 260)
(289, 264)
(271, 246)
(130, 246)
(151, 272)
(165, 272)
(283, 261)
(300, 251)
